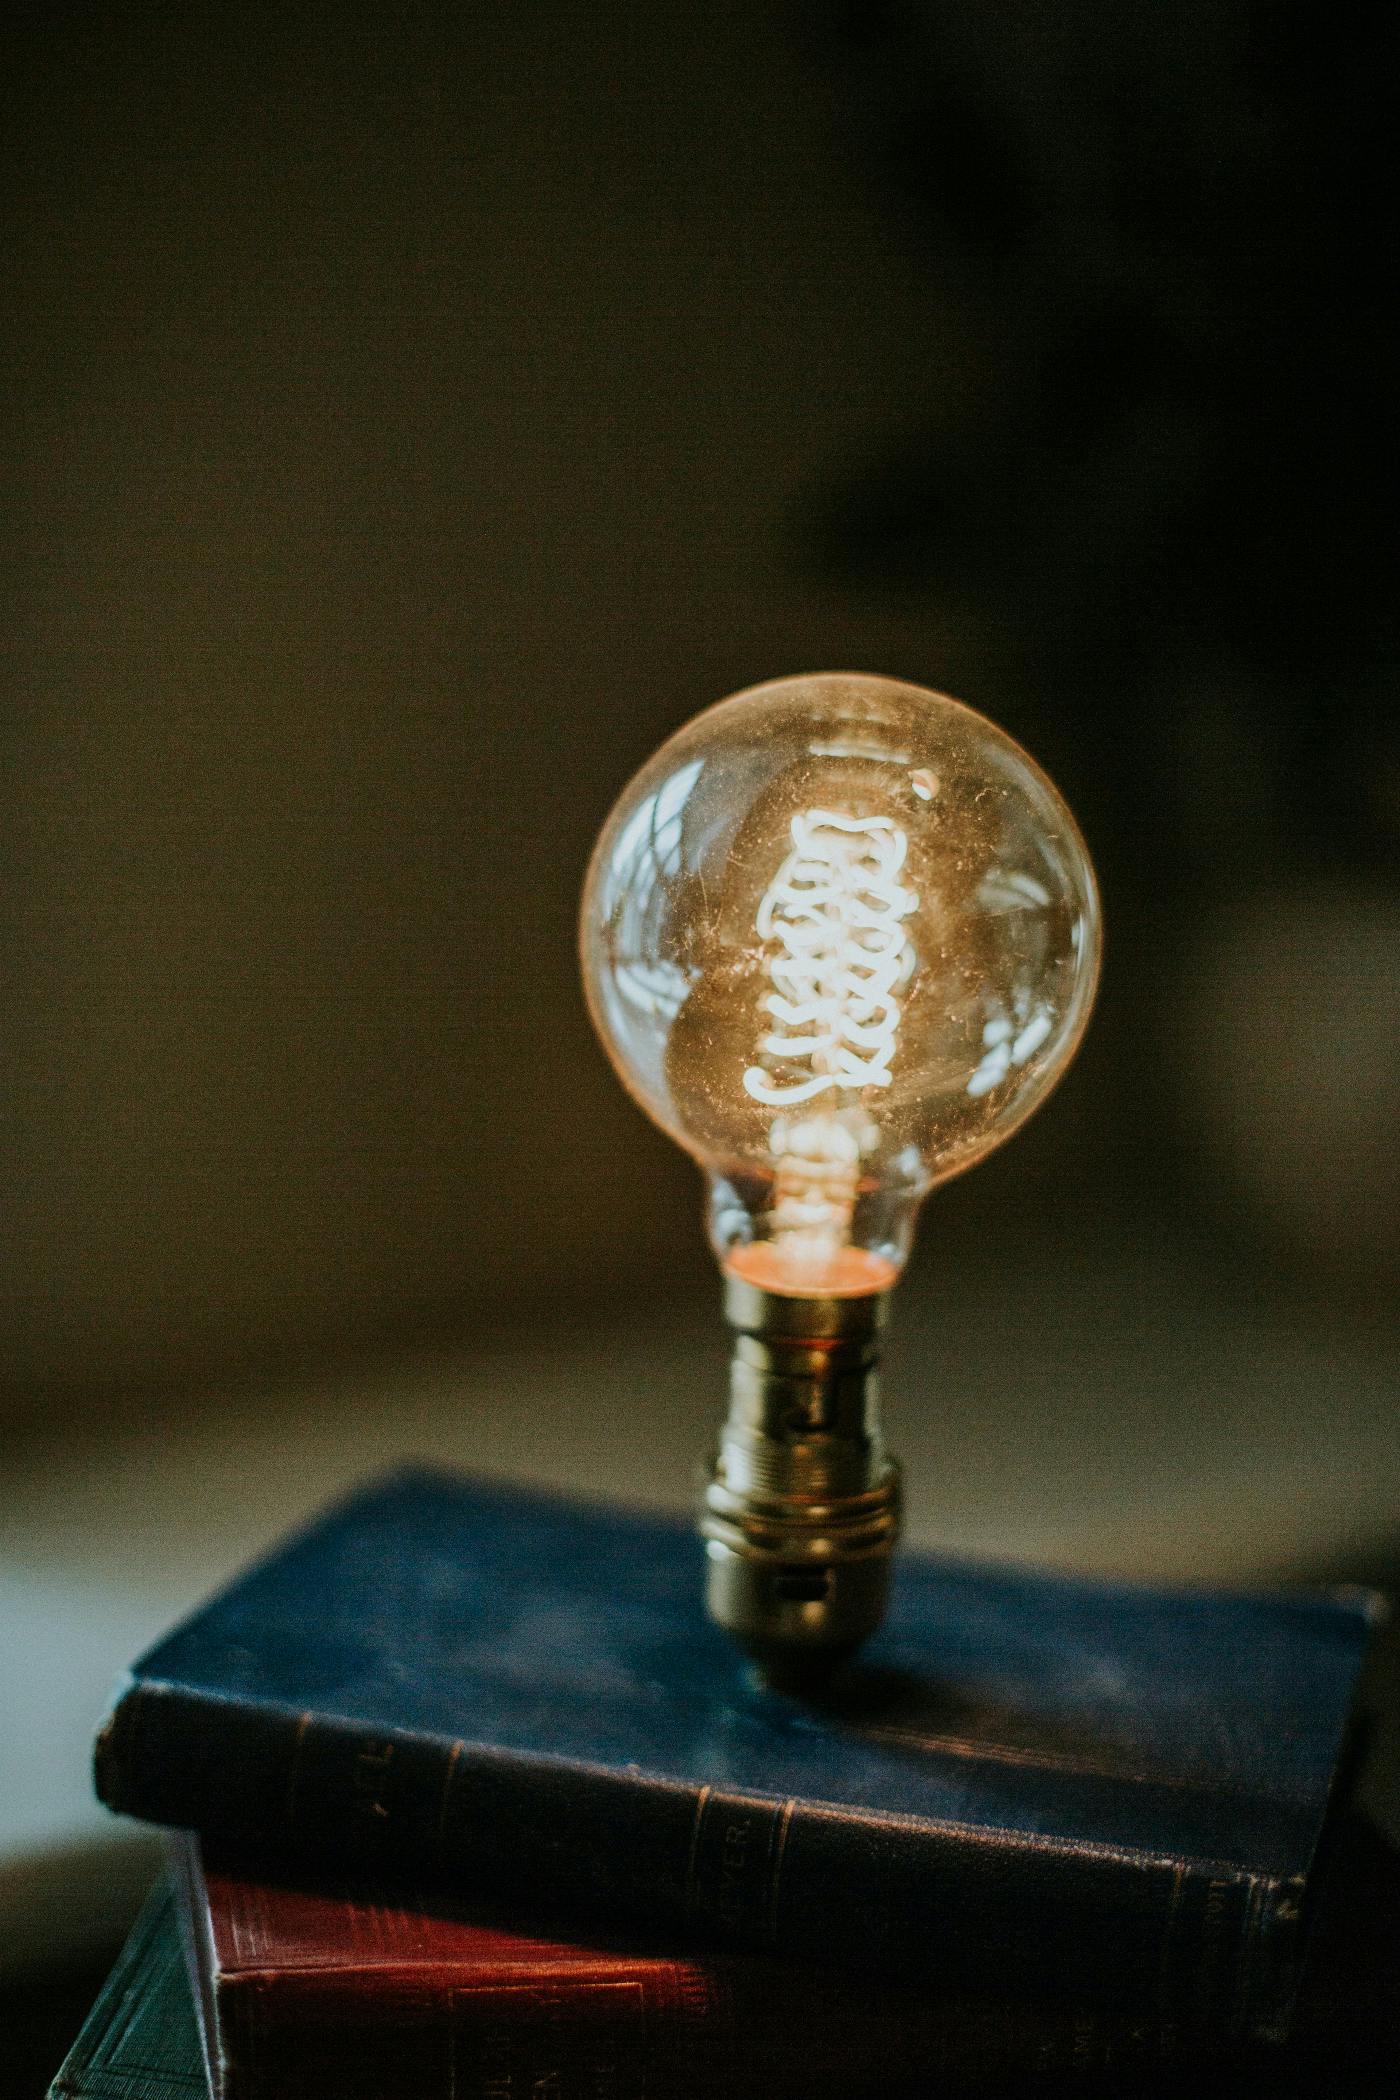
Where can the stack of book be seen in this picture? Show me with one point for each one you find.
(467, 1799)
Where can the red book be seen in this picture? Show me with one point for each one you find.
(303, 1992)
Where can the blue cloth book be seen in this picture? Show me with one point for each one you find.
(141, 2040)
(1029, 1783)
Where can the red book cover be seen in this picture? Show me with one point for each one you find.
(302, 1992)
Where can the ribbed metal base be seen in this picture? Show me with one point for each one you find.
(802, 1509)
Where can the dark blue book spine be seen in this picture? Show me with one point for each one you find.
(1203, 1949)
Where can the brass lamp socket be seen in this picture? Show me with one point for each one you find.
(801, 1512)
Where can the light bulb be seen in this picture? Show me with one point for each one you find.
(840, 936)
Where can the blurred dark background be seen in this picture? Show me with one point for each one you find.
(410, 418)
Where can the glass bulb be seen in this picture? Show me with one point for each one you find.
(840, 936)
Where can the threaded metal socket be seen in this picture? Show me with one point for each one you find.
(801, 1511)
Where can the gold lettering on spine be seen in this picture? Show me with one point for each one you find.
(733, 1858)
(373, 1764)
(735, 1866)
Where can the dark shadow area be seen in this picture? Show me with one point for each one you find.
(39, 2017)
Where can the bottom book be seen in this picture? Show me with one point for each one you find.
(141, 2039)
(318, 1993)
(298, 1992)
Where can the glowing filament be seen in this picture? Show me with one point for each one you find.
(817, 1180)
(835, 907)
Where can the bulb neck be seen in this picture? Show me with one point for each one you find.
(801, 1512)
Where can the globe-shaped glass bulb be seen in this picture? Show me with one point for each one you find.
(840, 936)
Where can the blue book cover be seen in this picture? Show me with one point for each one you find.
(1029, 1782)
(141, 2040)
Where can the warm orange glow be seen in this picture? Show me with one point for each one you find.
(849, 1272)
(839, 936)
